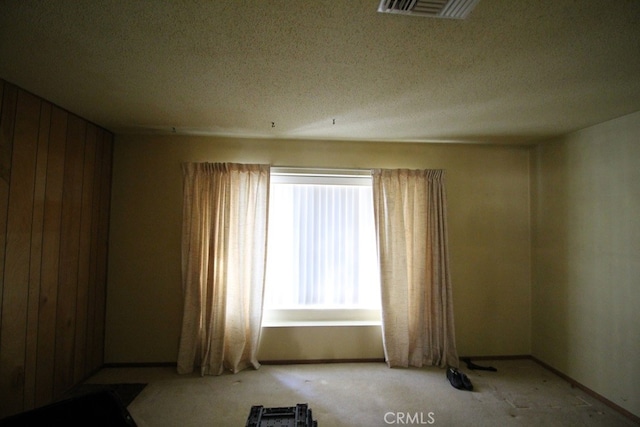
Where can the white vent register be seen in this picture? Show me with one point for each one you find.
(454, 9)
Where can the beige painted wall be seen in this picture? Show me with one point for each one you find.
(488, 189)
(586, 289)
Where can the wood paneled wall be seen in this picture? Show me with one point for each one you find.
(55, 189)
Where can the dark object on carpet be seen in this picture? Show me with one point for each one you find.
(100, 409)
(126, 391)
(294, 416)
(475, 367)
(459, 380)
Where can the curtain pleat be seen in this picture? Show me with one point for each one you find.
(224, 242)
(417, 308)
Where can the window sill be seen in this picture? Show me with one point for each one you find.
(321, 323)
(324, 317)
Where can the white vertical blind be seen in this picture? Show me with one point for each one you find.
(321, 245)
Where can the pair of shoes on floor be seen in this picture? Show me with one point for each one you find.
(459, 380)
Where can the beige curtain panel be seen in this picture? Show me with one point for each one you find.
(417, 309)
(223, 265)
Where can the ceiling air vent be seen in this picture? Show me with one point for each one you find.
(456, 9)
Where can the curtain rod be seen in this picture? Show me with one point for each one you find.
(296, 170)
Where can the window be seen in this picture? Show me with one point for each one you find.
(321, 259)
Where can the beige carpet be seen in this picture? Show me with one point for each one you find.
(521, 393)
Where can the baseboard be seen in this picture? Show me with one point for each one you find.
(299, 361)
(141, 365)
(503, 357)
(587, 390)
(262, 362)
(318, 361)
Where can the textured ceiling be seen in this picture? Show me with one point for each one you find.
(512, 72)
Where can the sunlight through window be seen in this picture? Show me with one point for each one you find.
(321, 242)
